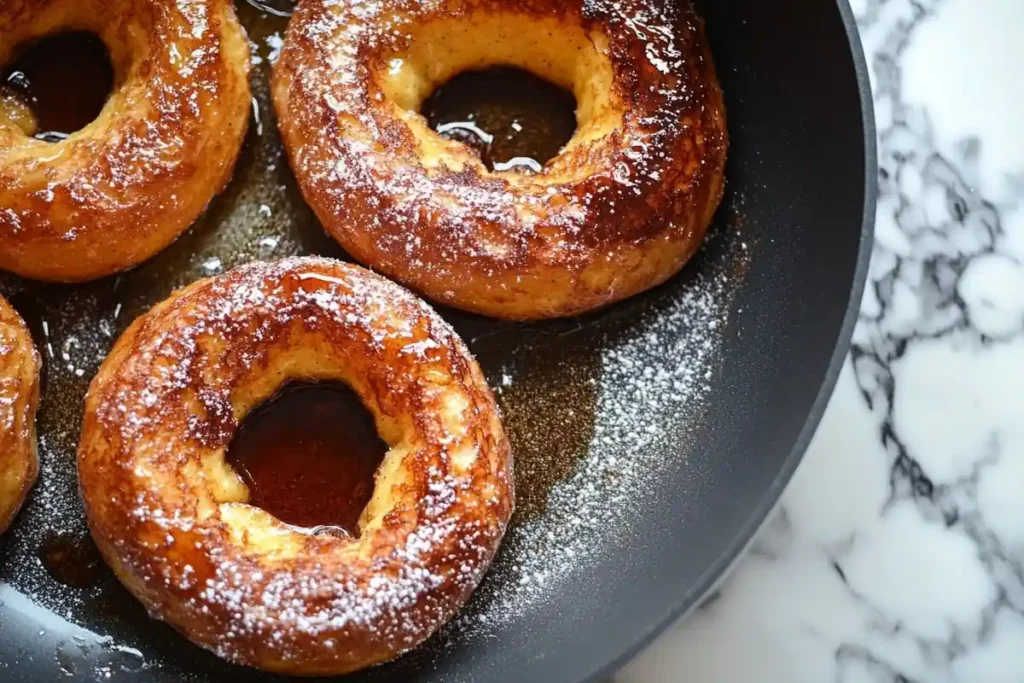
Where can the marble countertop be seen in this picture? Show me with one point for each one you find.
(897, 553)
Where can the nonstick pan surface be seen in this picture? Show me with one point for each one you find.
(651, 438)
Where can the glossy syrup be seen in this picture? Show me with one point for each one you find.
(62, 80)
(71, 558)
(567, 390)
(308, 456)
(512, 118)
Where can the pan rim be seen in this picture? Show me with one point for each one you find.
(721, 568)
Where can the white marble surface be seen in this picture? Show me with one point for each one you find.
(897, 554)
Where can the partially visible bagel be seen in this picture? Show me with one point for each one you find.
(621, 209)
(19, 397)
(124, 187)
(170, 516)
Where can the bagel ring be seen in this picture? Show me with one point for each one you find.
(170, 516)
(19, 396)
(619, 210)
(116, 192)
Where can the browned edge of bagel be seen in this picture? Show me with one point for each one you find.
(620, 210)
(19, 397)
(128, 184)
(169, 515)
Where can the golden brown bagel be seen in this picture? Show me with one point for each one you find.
(621, 209)
(169, 515)
(124, 187)
(19, 396)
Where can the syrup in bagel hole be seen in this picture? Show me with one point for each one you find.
(57, 85)
(308, 456)
(515, 120)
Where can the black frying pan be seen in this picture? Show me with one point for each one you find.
(761, 320)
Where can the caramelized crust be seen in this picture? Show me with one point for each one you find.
(171, 518)
(124, 187)
(19, 396)
(621, 209)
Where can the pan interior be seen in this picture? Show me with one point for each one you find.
(650, 438)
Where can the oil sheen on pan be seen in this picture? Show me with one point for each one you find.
(593, 406)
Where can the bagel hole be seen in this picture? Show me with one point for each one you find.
(515, 120)
(57, 85)
(308, 456)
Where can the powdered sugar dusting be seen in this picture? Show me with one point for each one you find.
(491, 241)
(591, 452)
(591, 407)
(72, 343)
(163, 406)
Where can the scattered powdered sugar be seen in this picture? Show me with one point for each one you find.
(595, 409)
(259, 215)
(72, 330)
(280, 606)
(591, 452)
(476, 230)
(274, 42)
(589, 405)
